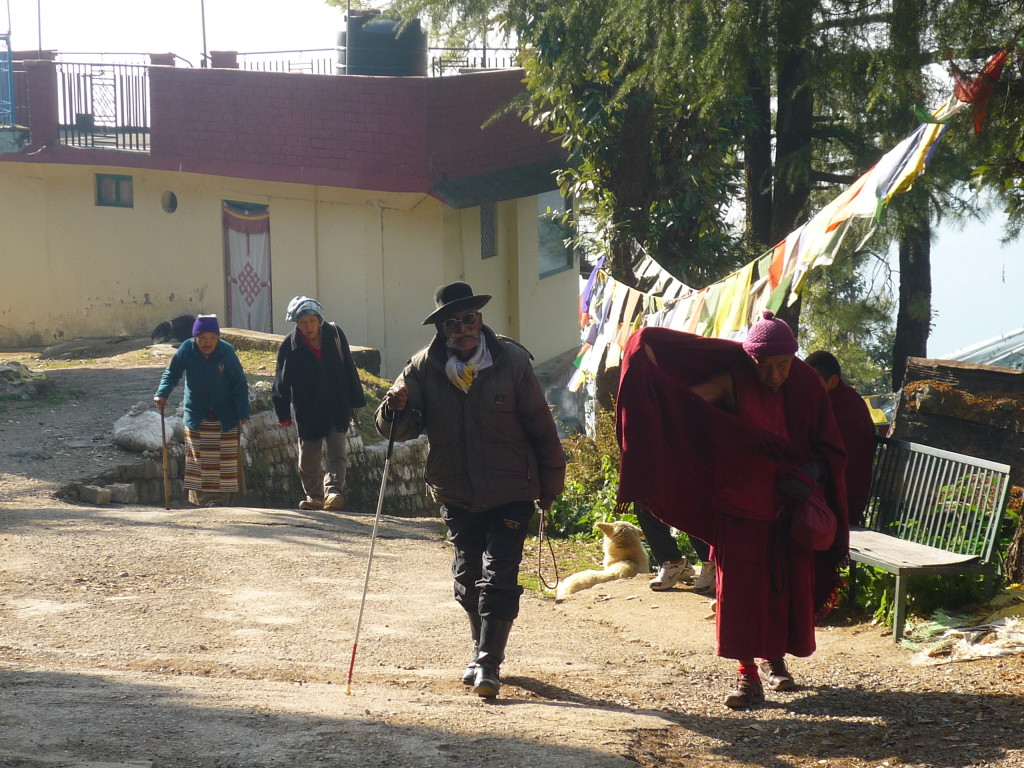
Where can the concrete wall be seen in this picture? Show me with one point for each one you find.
(75, 269)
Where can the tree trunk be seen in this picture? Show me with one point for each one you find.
(793, 120)
(913, 319)
(757, 148)
(1014, 564)
(631, 184)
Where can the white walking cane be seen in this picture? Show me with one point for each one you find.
(373, 543)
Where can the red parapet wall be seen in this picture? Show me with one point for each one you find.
(383, 133)
(462, 147)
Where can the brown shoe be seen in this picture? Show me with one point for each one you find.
(776, 676)
(334, 502)
(310, 503)
(747, 692)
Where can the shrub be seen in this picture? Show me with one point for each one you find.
(591, 482)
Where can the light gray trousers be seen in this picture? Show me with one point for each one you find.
(320, 480)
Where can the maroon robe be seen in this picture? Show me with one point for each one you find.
(712, 474)
(858, 432)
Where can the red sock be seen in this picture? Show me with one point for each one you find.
(749, 671)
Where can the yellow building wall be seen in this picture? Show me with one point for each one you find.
(26, 271)
(538, 312)
(75, 269)
(546, 319)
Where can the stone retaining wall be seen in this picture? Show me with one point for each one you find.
(270, 456)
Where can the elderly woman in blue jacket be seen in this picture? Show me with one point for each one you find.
(216, 405)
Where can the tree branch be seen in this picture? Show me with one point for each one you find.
(850, 22)
(833, 178)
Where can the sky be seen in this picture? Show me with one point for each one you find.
(174, 26)
(978, 285)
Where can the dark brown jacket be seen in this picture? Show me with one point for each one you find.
(491, 446)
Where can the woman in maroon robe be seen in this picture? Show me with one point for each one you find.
(717, 439)
(856, 427)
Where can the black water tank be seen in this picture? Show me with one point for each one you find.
(369, 46)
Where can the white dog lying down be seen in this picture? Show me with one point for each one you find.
(624, 557)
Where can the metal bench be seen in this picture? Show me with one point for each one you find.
(930, 511)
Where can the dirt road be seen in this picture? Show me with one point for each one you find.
(138, 637)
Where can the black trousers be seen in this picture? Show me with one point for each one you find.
(488, 551)
(660, 539)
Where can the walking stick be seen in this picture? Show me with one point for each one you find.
(167, 465)
(373, 542)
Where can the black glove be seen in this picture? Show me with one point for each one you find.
(797, 484)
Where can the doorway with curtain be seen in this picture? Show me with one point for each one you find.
(247, 265)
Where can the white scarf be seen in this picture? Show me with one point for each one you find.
(463, 373)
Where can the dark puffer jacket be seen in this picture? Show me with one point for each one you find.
(324, 393)
(491, 446)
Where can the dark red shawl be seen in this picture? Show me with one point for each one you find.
(671, 438)
(857, 429)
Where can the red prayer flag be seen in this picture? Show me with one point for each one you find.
(978, 91)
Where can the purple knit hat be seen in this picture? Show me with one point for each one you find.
(770, 336)
(206, 324)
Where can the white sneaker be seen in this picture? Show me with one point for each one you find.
(706, 581)
(670, 574)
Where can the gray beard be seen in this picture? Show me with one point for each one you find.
(450, 343)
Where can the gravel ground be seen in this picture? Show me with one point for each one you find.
(137, 636)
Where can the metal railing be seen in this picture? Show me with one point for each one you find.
(314, 61)
(454, 61)
(7, 110)
(329, 61)
(104, 105)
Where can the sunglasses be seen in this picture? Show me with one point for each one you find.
(466, 321)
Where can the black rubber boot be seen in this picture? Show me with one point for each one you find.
(469, 676)
(493, 638)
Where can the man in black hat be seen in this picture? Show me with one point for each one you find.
(494, 451)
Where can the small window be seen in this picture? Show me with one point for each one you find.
(114, 191)
(488, 230)
(553, 234)
(169, 202)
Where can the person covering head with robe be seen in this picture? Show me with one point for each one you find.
(720, 439)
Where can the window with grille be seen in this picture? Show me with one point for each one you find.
(114, 191)
(488, 230)
(555, 254)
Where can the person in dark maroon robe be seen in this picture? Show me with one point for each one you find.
(856, 427)
(719, 439)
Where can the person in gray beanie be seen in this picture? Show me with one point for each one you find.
(316, 376)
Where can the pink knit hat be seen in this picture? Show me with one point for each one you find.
(770, 336)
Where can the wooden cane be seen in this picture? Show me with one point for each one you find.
(167, 463)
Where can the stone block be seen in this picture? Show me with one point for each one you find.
(94, 494)
(123, 493)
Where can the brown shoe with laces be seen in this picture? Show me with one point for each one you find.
(747, 692)
(776, 676)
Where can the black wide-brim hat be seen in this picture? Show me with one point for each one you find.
(452, 298)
